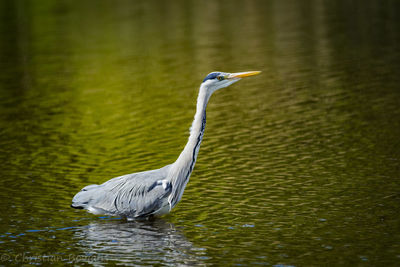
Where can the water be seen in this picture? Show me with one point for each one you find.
(299, 166)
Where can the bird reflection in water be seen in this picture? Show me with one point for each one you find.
(138, 242)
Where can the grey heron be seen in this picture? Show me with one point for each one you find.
(156, 192)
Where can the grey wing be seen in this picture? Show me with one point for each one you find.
(132, 195)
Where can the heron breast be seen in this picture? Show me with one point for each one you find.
(163, 210)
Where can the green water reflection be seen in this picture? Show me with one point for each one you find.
(299, 166)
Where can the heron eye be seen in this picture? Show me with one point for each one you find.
(220, 78)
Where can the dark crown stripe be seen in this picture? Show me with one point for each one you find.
(212, 75)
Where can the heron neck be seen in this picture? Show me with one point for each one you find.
(183, 166)
(189, 153)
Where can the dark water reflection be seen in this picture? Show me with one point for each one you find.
(133, 243)
(299, 166)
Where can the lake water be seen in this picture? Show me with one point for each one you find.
(299, 166)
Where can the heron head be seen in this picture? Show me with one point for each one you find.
(217, 80)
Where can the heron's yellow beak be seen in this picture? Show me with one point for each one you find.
(243, 74)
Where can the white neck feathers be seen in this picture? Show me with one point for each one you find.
(182, 168)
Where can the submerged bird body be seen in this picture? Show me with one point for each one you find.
(156, 192)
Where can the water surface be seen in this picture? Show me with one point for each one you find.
(299, 166)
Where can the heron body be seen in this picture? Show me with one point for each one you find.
(156, 192)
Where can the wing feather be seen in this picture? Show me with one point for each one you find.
(133, 195)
